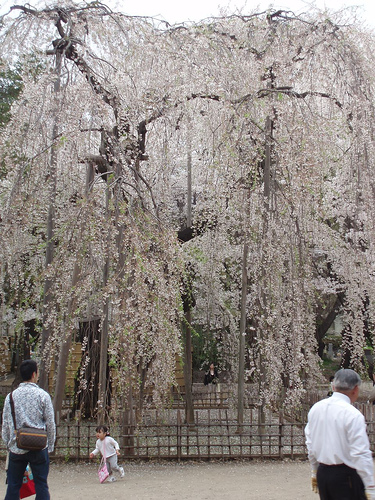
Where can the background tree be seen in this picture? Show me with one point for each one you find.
(10, 88)
(272, 105)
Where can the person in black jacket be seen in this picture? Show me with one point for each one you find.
(211, 377)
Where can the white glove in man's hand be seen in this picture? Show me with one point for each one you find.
(314, 485)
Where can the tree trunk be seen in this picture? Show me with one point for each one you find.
(65, 348)
(67, 342)
(189, 407)
(47, 295)
(324, 322)
(267, 210)
(103, 364)
(241, 350)
(128, 425)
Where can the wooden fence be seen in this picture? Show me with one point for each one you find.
(215, 435)
(164, 435)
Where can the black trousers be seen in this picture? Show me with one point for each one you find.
(339, 482)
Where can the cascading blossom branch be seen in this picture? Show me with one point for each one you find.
(275, 112)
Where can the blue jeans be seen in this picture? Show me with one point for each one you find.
(39, 463)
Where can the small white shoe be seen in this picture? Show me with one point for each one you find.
(111, 479)
(122, 472)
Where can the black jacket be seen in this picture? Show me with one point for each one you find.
(211, 379)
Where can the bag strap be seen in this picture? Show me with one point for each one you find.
(104, 449)
(12, 410)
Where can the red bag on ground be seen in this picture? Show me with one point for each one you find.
(28, 486)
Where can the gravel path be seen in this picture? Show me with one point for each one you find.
(253, 480)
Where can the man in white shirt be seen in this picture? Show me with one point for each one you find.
(338, 446)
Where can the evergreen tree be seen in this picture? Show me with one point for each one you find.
(10, 88)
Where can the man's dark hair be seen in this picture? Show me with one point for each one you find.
(27, 368)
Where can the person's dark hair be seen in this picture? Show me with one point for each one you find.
(103, 428)
(346, 379)
(27, 368)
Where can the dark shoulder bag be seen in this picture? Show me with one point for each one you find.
(28, 438)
